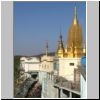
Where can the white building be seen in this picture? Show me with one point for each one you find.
(67, 67)
(30, 63)
(46, 73)
(47, 63)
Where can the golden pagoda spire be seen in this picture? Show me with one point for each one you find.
(74, 38)
(75, 16)
(60, 50)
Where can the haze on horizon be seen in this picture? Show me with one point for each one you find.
(36, 23)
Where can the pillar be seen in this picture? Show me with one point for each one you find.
(70, 94)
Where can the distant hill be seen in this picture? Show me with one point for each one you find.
(49, 54)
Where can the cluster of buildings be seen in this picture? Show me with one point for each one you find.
(63, 74)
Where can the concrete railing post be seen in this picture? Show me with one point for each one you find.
(70, 94)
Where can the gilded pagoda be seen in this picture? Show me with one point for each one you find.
(74, 45)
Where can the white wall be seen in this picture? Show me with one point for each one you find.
(47, 63)
(30, 64)
(46, 66)
(83, 87)
(65, 69)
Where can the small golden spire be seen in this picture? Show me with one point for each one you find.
(60, 50)
(84, 50)
(60, 33)
(46, 48)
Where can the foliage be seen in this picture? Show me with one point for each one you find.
(16, 67)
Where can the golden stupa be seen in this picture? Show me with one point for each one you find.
(74, 41)
(60, 50)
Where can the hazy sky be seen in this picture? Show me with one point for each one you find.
(38, 22)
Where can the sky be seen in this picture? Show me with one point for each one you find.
(36, 23)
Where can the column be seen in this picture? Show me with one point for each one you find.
(61, 93)
(70, 94)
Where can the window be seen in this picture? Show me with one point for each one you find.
(71, 64)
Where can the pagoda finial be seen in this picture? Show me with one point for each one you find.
(60, 50)
(60, 32)
(75, 15)
(46, 48)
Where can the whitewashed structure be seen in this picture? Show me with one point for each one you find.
(46, 73)
(47, 63)
(30, 63)
(83, 87)
(67, 66)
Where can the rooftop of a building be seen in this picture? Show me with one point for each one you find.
(47, 58)
(30, 59)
